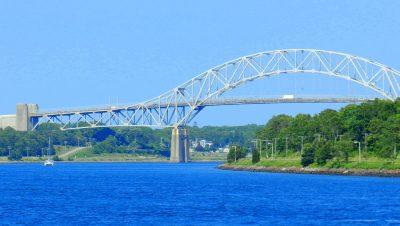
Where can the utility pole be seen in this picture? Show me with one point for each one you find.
(319, 137)
(9, 151)
(259, 145)
(365, 142)
(235, 152)
(286, 145)
(48, 149)
(275, 139)
(359, 150)
(272, 149)
(302, 145)
(255, 144)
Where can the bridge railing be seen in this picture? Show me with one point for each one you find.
(253, 99)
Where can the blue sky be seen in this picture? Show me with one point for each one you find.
(63, 54)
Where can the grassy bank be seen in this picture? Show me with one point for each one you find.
(294, 161)
(79, 154)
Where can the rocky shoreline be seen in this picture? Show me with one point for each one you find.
(327, 171)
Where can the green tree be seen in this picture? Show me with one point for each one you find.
(231, 157)
(342, 150)
(108, 145)
(307, 158)
(15, 155)
(235, 153)
(199, 148)
(323, 152)
(255, 156)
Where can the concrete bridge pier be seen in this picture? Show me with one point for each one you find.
(179, 145)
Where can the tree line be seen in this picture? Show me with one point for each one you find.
(372, 128)
(16, 144)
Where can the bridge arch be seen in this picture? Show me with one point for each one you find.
(180, 105)
(222, 78)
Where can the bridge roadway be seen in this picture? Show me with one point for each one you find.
(212, 102)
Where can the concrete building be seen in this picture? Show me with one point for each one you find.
(21, 120)
(7, 121)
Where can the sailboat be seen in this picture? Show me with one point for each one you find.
(48, 161)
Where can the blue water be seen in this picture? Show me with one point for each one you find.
(189, 194)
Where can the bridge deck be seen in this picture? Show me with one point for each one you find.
(214, 102)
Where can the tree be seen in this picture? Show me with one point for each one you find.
(323, 152)
(199, 148)
(103, 133)
(231, 156)
(15, 155)
(235, 153)
(307, 158)
(108, 145)
(342, 150)
(255, 157)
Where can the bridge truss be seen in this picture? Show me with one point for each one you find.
(180, 105)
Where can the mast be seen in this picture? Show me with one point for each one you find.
(48, 149)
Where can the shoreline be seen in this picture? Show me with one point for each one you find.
(105, 161)
(320, 171)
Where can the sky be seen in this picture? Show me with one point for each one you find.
(63, 54)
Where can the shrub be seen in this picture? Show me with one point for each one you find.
(15, 155)
(307, 158)
(255, 157)
(323, 153)
(235, 154)
(57, 158)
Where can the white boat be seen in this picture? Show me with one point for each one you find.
(48, 162)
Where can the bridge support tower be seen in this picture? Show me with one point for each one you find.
(179, 145)
(22, 117)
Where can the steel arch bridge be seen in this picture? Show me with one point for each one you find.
(180, 105)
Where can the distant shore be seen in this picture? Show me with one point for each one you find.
(105, 161)
(100, 161)
(306, 170)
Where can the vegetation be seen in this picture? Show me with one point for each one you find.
(235, 153)
(255, 156)
(295, 161)
(335, 138)
(103, 141)
(307, 158)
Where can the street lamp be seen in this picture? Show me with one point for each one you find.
(359, 150)
(235, 152)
